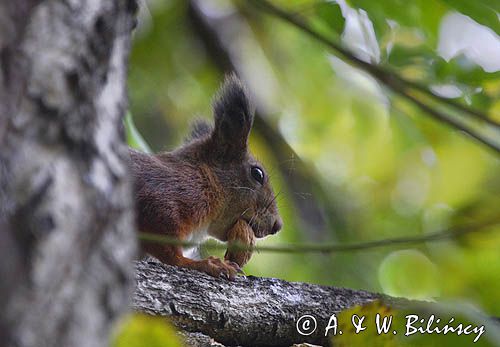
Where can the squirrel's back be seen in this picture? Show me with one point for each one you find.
(172, 194)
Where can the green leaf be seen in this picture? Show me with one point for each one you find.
(369, 336)
(401, 56)
(421, 14)
(408, 326)
(461, 69)
(484, 12)
(134, 138)
(139, 330)
(331, 15)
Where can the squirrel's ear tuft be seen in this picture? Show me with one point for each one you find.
(199, 129)
(233, 116)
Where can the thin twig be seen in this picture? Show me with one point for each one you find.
(450, 121)
(412, 84)
(394, 82)
(443, 235)
(453, 103)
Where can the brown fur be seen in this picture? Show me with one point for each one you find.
(240, 233)
(207, 182)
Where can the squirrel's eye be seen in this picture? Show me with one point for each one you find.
(257, 174)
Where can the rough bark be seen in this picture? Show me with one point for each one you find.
(192, 339)
(66, 221)
(250, 311)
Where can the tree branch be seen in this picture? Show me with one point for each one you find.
(395, 83)
(253, 311)
(413, 84)
(250, 311)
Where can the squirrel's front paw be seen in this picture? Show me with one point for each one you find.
(218, 268)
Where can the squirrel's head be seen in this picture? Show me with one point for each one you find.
(245, 182)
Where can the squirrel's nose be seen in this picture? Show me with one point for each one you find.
(278, 224)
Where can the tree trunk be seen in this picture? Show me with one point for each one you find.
(66, 217)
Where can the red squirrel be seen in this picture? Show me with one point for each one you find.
(211, 186)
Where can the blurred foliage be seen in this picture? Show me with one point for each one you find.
(401, 334)
(134, 138)
(389, 169)
(394, 279)
(139, 330)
